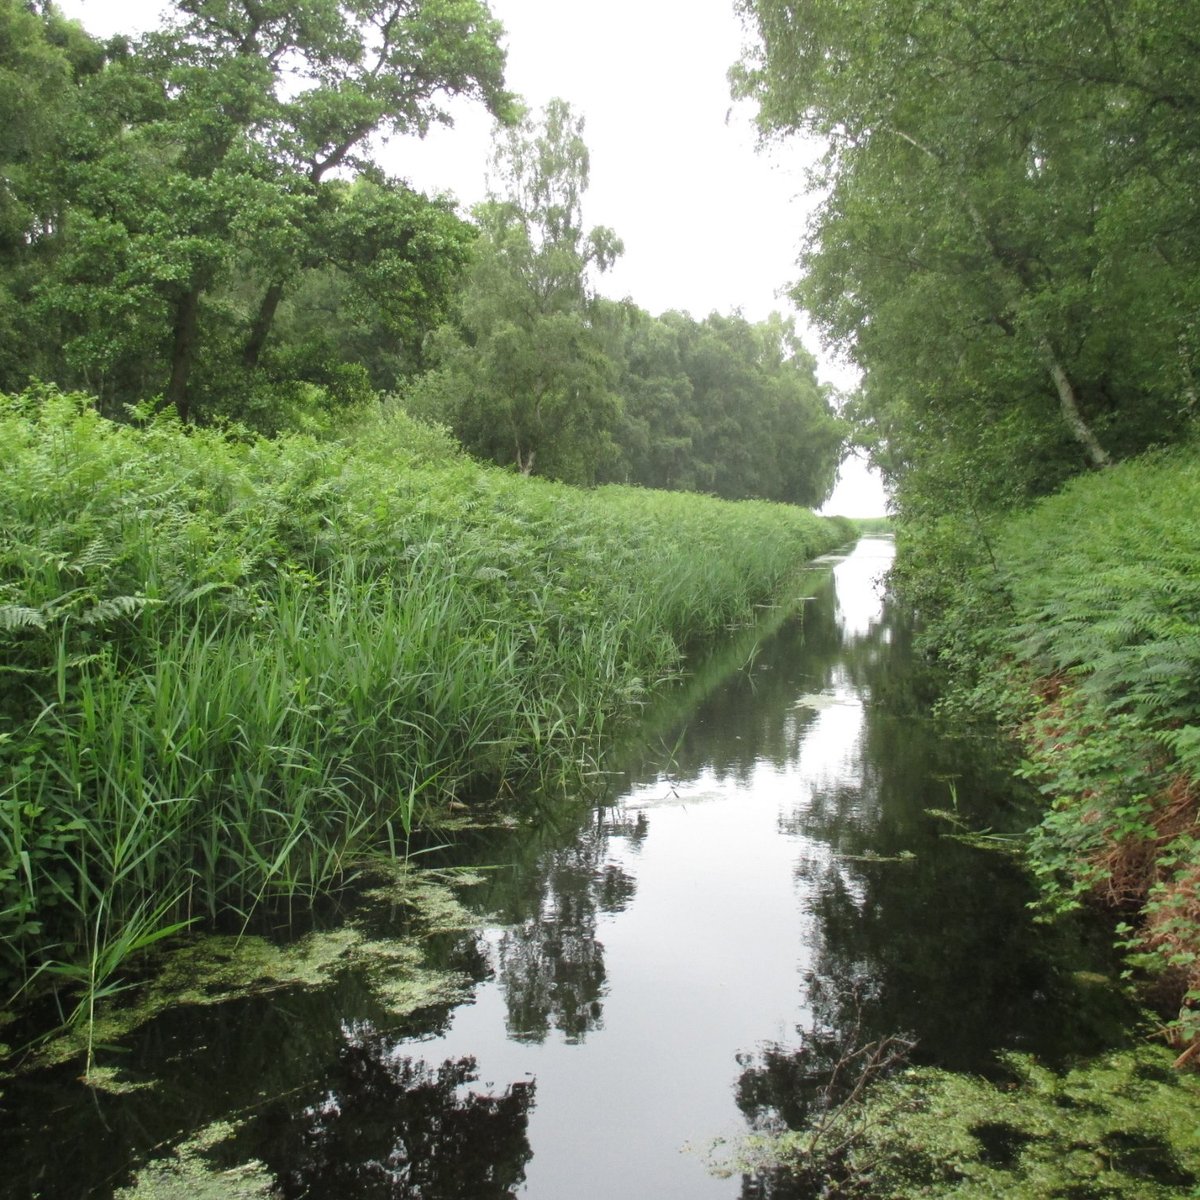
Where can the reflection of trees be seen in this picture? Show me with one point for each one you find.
(395, 1127)
(550, 962)
(937, 927)
(785, 1087)
(741, 709)
(912, 930)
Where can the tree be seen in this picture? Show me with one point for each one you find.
(725, 406)
(216, 153)
(659, 426)
(1004, 245)
(525, 378)
(43, 57)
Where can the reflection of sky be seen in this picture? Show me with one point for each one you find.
(858, 580)
(705, 963)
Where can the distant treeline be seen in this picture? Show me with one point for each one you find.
(193, 219)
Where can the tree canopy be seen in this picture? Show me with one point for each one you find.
(193, 220)
(204, 168)
(524, 375)
(1008, 239)
(541, 373)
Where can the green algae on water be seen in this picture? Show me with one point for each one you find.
(432, 896)
(1123, 1126)
(115, 1082)
(216, 969)
(187, 1173)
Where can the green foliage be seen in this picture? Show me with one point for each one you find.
(723, 406)
(1004, 246)
(1078, 623)
(866, 525)
(541, 374)
(1121, 1126)
(229, 665)
(524, 377)
(193, 177)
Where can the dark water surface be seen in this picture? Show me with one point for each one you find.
(678, 966)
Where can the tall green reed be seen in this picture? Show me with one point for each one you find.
(233, 668)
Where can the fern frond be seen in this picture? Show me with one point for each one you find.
(20, 616)
(116, 606)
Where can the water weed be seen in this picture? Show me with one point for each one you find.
(1119, 1126)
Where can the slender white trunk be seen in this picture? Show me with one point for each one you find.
(1069, 405)
(1068, 402)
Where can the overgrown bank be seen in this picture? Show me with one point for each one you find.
(231, 665)
(1079, 623)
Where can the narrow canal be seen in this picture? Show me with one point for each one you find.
(779, 871)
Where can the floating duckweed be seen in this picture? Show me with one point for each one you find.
(115, 1082)
(212, 970)
(431, 894)
(401, 994)
(1122, 1126)
(188, 1175)
(217, 968)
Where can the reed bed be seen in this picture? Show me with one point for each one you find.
(231, 666)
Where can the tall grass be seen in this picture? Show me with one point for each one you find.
(230, 666)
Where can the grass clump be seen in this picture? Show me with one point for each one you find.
(230, 665)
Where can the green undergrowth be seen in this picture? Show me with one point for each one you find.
(1122, 1126)
(231, 665)
(1080, 622)
(866, 525)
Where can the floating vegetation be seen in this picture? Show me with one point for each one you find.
(431, 895)
(115, 1082)
(1122, 1126)
(188, 1173)
(216, 969)
(904, 856)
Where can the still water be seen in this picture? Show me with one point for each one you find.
(766, 883)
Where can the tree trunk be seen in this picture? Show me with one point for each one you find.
(183, 347)
(262, 325)
(525, 461)
(1068, 402)
(1069, 405)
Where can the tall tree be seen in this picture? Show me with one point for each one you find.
(525, 378)
(216, 152)
(1006, 246)
(43, 57)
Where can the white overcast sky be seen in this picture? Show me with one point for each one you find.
(709, 221)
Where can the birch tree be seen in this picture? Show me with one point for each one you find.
(1005, 245)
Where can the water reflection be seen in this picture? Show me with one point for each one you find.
(550, 962)
(391, 1126)
(766, 890)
